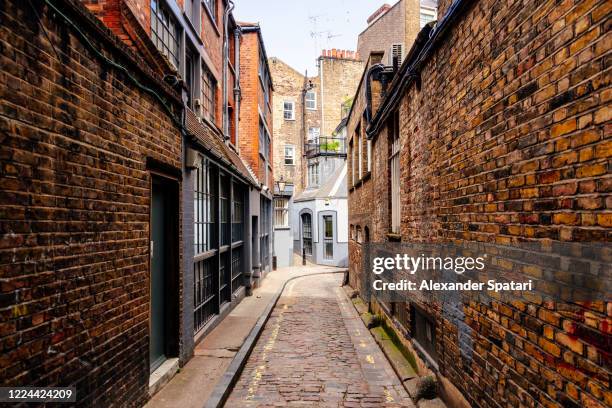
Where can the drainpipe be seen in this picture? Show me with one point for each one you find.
(322, 133)
(237, 91)
(228, 9)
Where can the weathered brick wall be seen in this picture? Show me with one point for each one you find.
(288, 84)
(400, 24)
(252, 104)
(508, 140)
(340, 80)
(249, 112)
(74, 207)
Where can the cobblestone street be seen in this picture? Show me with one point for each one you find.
(316, 351)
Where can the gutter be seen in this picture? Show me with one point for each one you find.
(425, 44)
(237, 89)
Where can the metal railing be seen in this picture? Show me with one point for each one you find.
(326, 146)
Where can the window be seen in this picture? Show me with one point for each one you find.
(165, 31)
(359, 151)
(426, 15)
(289, 155)
(265, 228)
(352, 231)
(313, 175)
(209, 94)
(191, 11)
(289, 110)
(264, 76)
(204, 208)
(359, 235)
(264, 141)
(328, 237)
(369, 155)
(237, 214)
(395, 172)
(423, 330)
(311, 100)
(189, 77)
(313, 135)
(281, 212)
(224, 203)
(307, 234)
(352, 149)
(212, 8)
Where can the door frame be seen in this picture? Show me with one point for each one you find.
(172, 278)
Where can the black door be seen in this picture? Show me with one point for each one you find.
(163, 338)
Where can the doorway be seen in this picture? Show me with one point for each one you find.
(307, 234)
(164, 276)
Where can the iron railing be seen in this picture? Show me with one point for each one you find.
(326, 146)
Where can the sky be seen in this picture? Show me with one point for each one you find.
(297, 30)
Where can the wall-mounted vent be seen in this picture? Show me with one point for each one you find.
(396, 55)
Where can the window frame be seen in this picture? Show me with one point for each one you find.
(292, 156)
(291, 111)
(281, 212)
(211, 8)
(208, 82)
(313, 100)
(159, 13)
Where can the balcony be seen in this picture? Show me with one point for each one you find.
(326, 146)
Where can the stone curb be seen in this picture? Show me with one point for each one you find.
(230, 377)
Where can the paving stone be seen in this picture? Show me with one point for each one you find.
(315, 351)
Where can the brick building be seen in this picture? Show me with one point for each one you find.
(87, 155)
(309, 153)
(395, 28)
(125, 206)
(497, 132)
(255, 143)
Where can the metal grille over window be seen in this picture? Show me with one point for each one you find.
(204, 209)
(165, 31)
(307, 234)
(237, 214)
(281, 212)
(236, 270)
(224, 202)
(205, 296)
(225, 287)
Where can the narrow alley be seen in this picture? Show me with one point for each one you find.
(315, 350)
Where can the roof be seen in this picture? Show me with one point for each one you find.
(334, 187)
(341, 125)
(211, 140)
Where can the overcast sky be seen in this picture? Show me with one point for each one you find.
(288, 26)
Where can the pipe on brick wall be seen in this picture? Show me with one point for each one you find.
(228, 9)
(371, 71)
(237, 89)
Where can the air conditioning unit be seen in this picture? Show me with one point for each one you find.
(396, 52)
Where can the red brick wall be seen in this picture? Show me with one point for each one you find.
(74, 209)
(507, 139)
(252, 102)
